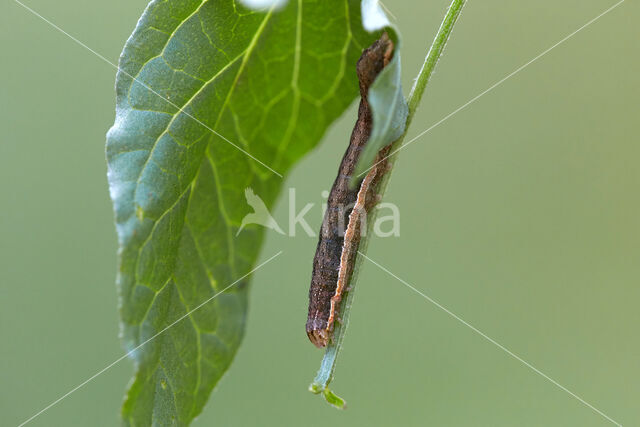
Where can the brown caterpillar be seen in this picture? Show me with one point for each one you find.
(338, 248)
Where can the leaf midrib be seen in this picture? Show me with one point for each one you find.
(245, 54)
(189, 187)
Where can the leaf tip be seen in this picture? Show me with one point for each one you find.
(315, 388)
(334, 400)
(331, 398)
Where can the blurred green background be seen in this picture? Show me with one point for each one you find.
(520, 214)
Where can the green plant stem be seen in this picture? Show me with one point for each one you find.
(431, 60)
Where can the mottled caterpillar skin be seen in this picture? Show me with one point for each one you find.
(346, 207)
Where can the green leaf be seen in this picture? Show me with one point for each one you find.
(388, 105)
(212, 98)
